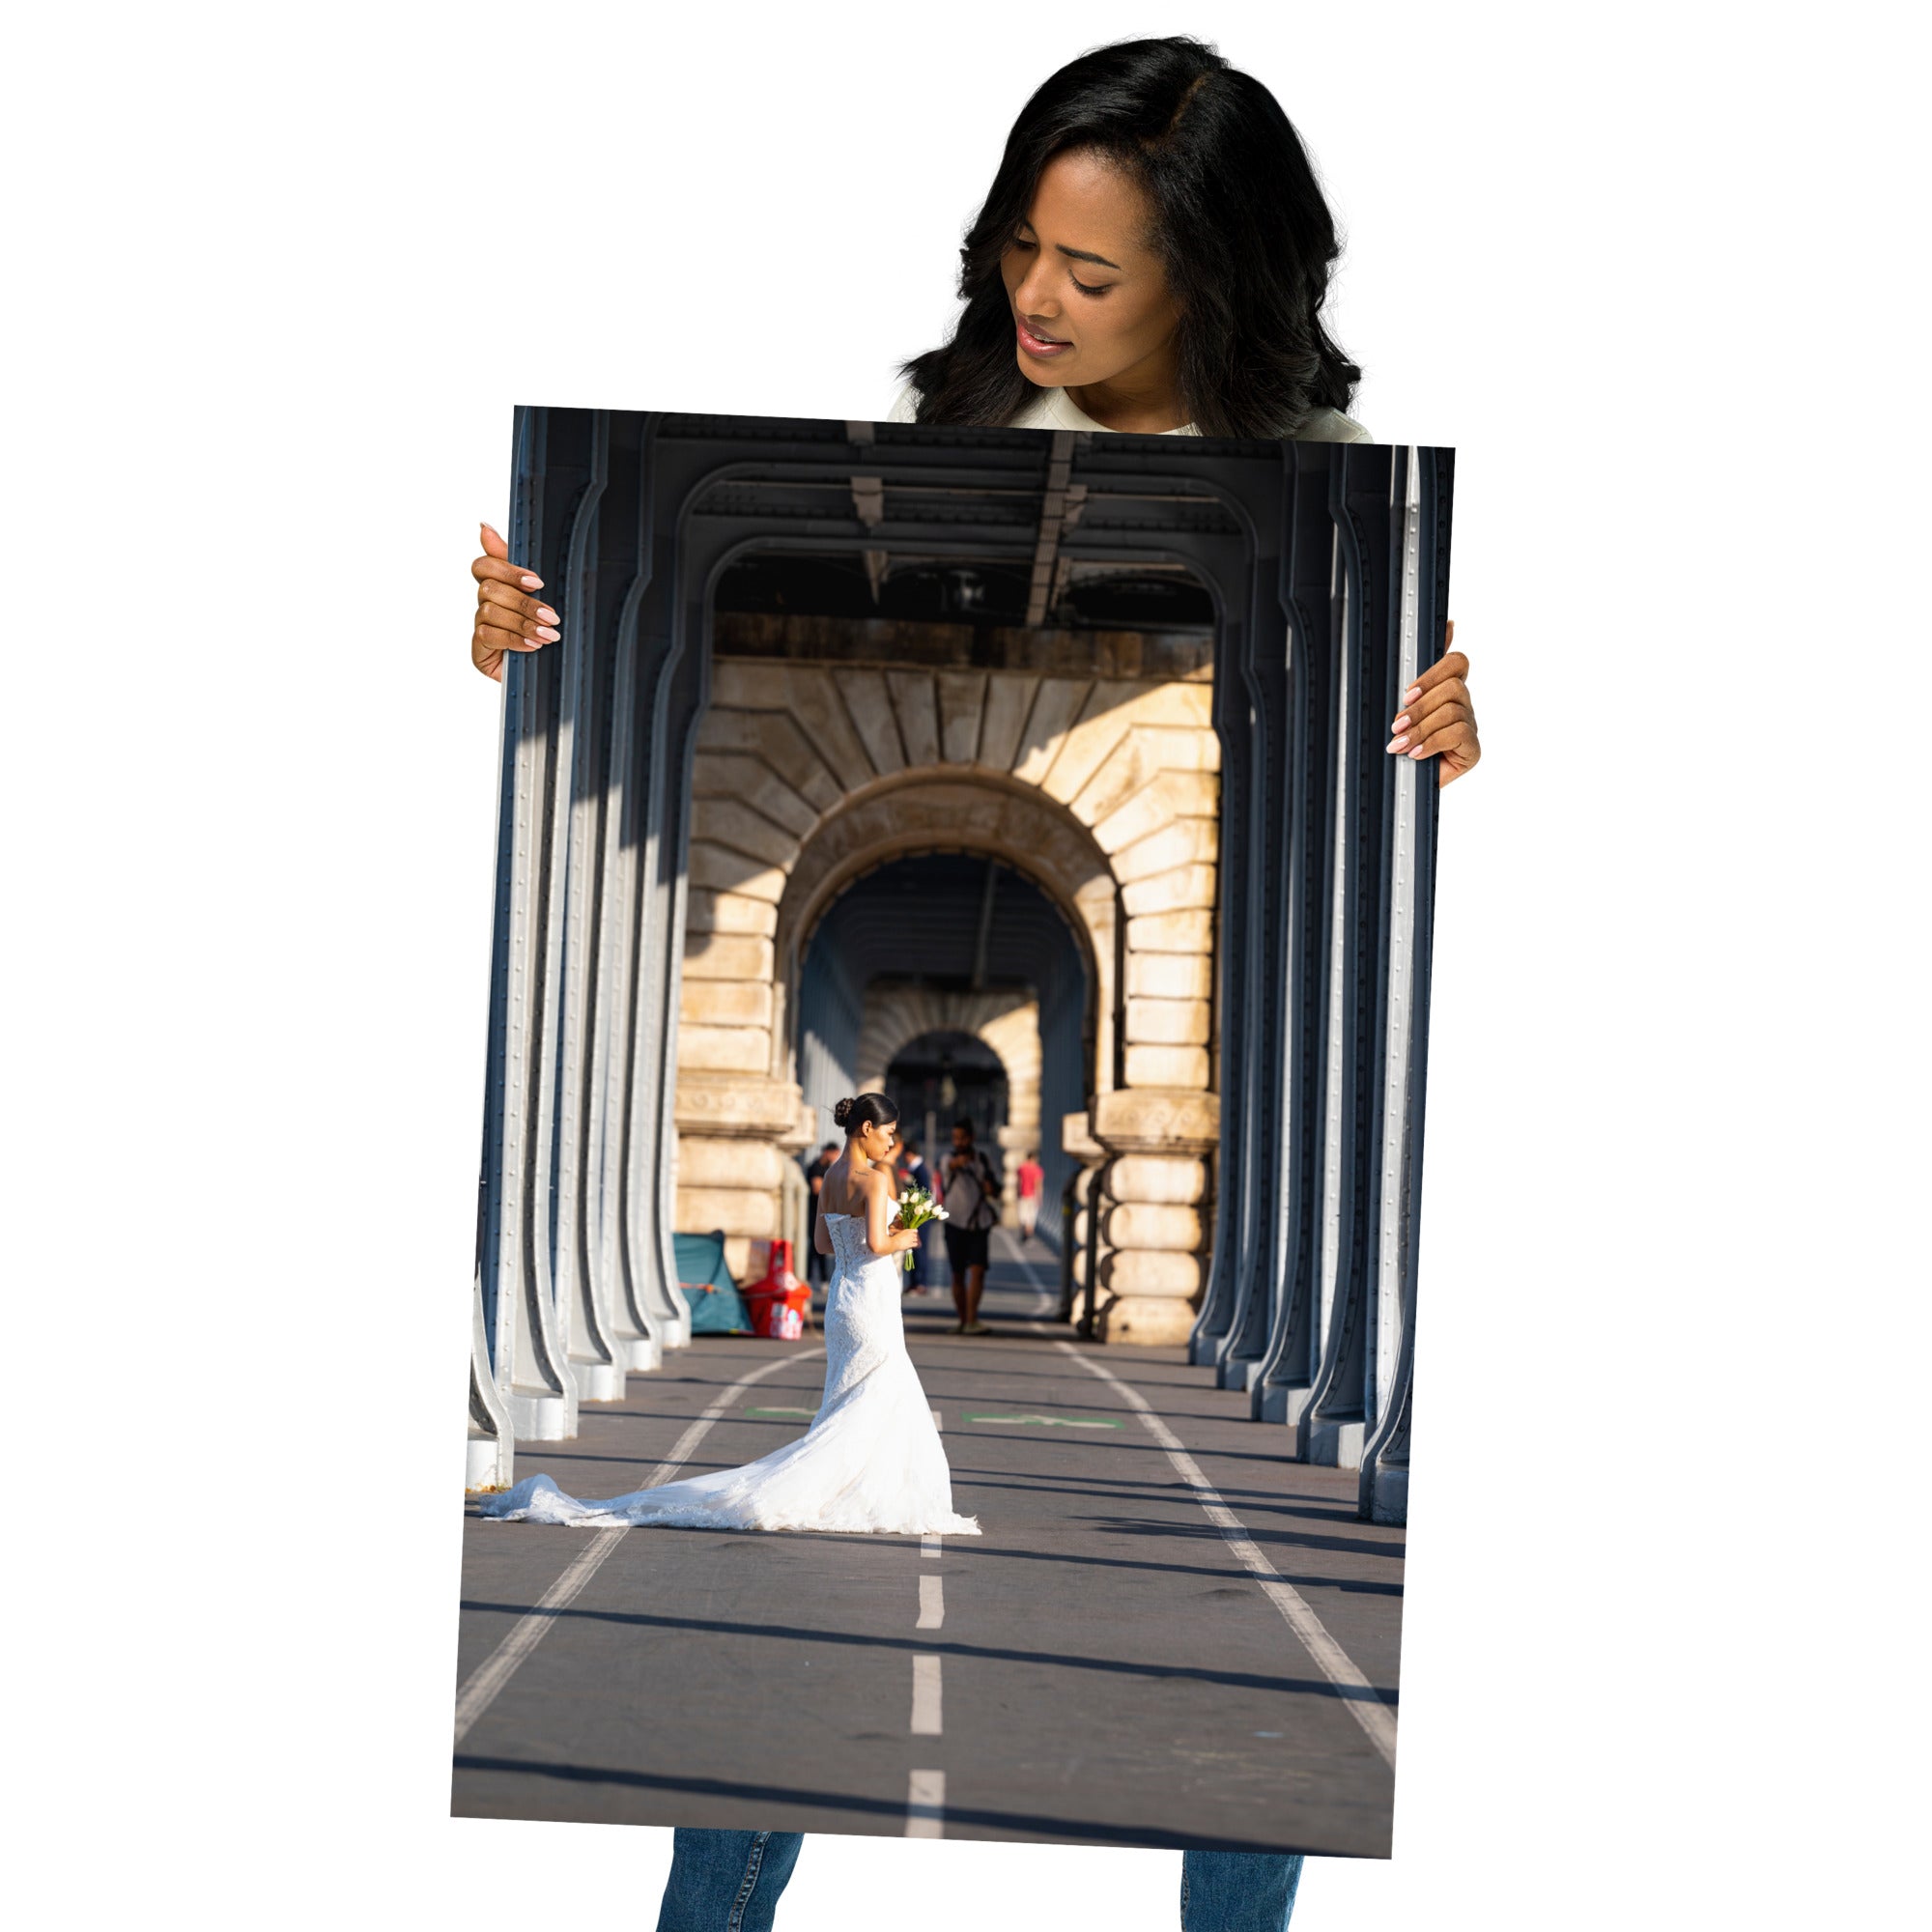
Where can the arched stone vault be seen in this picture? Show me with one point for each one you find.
(1007, 1022)
(1104, 791)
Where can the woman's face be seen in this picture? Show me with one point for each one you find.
(1091, 300)
(877, 1143)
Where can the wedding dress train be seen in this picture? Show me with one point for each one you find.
(871, 1460)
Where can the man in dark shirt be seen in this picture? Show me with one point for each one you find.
(970, 1198)
(912, 1172)
(819, 1268)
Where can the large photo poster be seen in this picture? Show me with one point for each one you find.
(992, 829)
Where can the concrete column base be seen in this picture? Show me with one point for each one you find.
(1283, 1405)
(1336, 1444)
(598, 1382)
(540, 1418)
(486, 1463)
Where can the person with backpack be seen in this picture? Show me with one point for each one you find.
(969, 1194)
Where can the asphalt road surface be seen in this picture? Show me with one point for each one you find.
(1167, 1634)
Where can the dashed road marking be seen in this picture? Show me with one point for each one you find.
(926, 1804)
(926, 1697)
(485, 1683)
(1361, 1697)
(928, 1546)
(936, 1423)
(931, 1604)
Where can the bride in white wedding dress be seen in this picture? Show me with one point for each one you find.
(871, 1460)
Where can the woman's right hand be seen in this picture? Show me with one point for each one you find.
(507, 619)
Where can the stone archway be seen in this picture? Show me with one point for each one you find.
(1005, 1023)
(1103, 791)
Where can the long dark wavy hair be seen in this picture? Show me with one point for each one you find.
(1240, 227)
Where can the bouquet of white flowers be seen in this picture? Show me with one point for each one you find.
(917, 1207)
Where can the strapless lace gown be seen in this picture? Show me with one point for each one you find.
(871, 1460)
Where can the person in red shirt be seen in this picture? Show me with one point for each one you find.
(1031, 1177)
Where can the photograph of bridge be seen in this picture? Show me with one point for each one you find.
(1035, 781)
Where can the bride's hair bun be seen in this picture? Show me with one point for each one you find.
(866, 1109)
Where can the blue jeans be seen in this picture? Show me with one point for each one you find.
(730, 1880)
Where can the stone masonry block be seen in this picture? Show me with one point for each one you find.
(1177, 890)
(1054, 706)
(717, 956)
(1191, 930)
(718, 868)
(736, 1210)
(729, 775)
(774, 737)
(1173, 1181)
(721, 821)
(1009, 700)
(1182, 1066)
(1170, 975)
(1149, 1120)
(963, 703)
(871, 705)
(724, 1002)
(709, 911)
(1185, 841)
(1167, 1022)
(1139, 1224)
(918, 712)
(733, 1049)
(703, 1161)
(1152, 1272)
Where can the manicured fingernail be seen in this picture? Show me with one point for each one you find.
(545, 632)
(492, 530)
(547, 616)
(1413, 692)
(1417, 753)
(1395, 723)
(532, 582)
(1396, 744)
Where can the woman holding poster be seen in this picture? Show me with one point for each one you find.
(1153, 256)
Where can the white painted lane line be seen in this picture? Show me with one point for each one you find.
(926, 1804)
(485, 1683)
(686, 1445)
(1364, 1703)
(928, 1546)
(1049, 1299)
(936, 1423)
(926, 1697)
(488, 1679)
(931, 1604)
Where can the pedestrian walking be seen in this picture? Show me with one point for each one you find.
(913, 1172)
(970, 1197)
(818, 1267)
(1031, 1179)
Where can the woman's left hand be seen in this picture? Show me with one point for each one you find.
(1435, 719)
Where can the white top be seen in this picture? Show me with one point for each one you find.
(1055, 409)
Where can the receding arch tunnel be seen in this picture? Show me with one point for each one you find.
(941, 943)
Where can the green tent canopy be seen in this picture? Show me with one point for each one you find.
(717, 1308)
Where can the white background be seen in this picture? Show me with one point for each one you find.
(278, 277)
